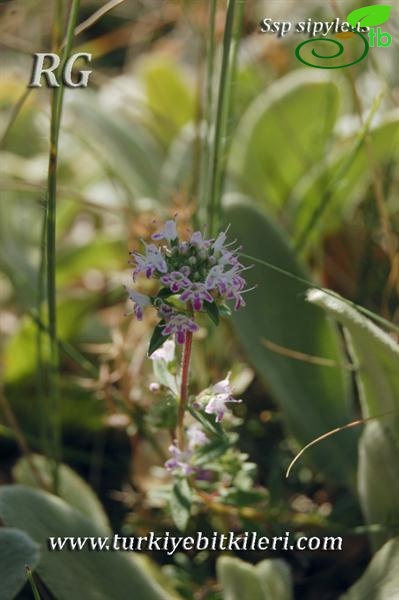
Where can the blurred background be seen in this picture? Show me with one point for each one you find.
(309, 184)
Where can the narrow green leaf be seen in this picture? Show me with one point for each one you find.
(212, 311)
(180, 503)
(210, 452)
(164, 293)
(208, 422)
(224, 310)
(157, 338)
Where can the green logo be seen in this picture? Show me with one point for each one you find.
(367, 16)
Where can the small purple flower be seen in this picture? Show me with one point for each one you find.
(176, 280)
(165, 311)
(219, 242)
(150, 262)
(179, 325)
(228, 258)
(196, 294)
(214, 276)
(179, 461)
(221, 394)
(198, 240)
(196, 437)
(169, 232)
(140, 302)
(229, 283)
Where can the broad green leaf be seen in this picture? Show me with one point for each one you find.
(370, 16)
(378, 481)
(283, 135)
(332, 190)
(73, 489)
(180, 503)
(121, 144)
(376, 356)
(170, 99)
(238, 579)
(381, 579)
(314, 399)
(83, 575)
(275, 579)
(17, 550)
(268, 580)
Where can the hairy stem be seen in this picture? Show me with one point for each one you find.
(184, 388)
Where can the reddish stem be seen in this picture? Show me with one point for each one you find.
(184, 388)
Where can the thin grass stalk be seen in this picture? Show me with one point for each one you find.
(56, 113)
(205, 154)
(42, 375)
(230, 41)
(42, 381)
(33, 586)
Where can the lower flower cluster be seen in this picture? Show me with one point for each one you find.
(213, 402)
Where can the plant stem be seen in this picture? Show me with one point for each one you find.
(31, 580)
(184, 388)
(231, 35)
(56, 112)
(205, 154)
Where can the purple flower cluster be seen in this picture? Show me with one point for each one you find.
(221, 394)
(197, 270)
(181, 460)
